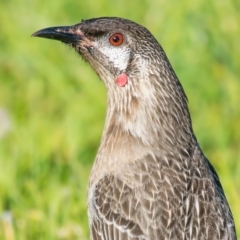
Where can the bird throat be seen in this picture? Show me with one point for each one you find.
(122, 79)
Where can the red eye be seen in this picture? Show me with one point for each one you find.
(116, 39)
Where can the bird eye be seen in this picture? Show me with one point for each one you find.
(116, 39)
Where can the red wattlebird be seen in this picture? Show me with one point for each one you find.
(150, 178)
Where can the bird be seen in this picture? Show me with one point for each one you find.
(150, 179)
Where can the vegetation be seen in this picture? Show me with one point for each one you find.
(52, 105)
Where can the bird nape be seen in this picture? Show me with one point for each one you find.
(150, 178)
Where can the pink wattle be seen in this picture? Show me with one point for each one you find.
(122, 80)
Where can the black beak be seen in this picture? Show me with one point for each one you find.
(63, 34)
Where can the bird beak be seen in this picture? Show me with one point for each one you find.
(65, 34)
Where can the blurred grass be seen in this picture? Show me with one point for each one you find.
(55, 105)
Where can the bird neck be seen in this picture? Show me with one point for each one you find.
(150, 117)
(153, 110)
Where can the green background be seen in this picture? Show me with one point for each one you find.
(52, 105)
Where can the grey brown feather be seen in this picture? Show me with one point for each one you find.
(150, 179)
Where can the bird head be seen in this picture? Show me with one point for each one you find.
(117, 49)
(142, 86)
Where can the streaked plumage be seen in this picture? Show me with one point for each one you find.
(150, 179)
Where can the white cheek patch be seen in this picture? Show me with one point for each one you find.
(119, 56)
